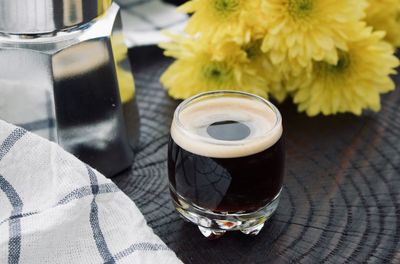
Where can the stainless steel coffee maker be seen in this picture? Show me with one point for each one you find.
(65, 74)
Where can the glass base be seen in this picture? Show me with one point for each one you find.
(214, 225)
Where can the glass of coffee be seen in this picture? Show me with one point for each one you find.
(226, 161)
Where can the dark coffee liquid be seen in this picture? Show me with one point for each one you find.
(228, 130)
(226, 184)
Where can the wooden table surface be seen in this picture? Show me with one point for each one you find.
(340, 203)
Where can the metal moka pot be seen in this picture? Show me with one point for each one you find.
(64, 73)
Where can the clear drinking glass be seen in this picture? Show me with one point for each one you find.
(226, 161)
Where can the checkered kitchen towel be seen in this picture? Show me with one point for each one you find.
(143, 21)
(55, 209)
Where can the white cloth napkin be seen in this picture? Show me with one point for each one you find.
(143, 21)
(55, 209)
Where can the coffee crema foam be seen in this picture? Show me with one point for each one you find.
(196, 118)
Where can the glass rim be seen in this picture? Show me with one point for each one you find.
(187, 132)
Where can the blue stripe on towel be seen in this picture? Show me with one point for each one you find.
(94, 221)
(14, 243)
(10, 141)
(86, 191)
(140, 247)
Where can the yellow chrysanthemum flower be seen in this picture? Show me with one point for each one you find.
(201, 68)
(385, 15)
(185, 77)
(263, 67)
(299, 31)
(255, 61)
(354, 83)
(238, 20)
